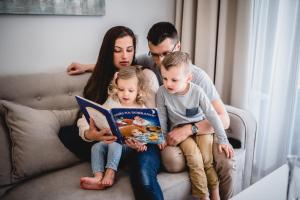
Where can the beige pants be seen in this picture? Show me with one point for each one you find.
(226, 171)
(198, 151)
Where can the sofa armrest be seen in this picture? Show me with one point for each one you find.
(243, 128)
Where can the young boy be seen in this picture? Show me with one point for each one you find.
(181, 102)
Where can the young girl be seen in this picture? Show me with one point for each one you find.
(128, 89)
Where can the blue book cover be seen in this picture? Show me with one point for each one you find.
(141, 124)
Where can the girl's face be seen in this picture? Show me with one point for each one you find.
(127, 91)
(123, 52)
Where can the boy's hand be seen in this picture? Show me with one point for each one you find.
(179, 134)
(163, 145)
(227, 149)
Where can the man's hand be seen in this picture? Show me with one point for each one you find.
(77, 68)
(227, 149)
(134, 144)
(179, 134)
(95, 135)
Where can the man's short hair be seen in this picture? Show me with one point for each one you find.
(160, 31)
(177, 59)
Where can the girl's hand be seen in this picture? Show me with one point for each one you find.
(134, 144)
(99, 135)
(163, 145)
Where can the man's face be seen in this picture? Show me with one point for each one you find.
(175, 80)
(158, 52)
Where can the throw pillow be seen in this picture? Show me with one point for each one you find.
(36, 147)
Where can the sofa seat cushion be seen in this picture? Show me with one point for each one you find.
(64, 185)
(36, 147)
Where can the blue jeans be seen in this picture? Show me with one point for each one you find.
(143, 174)
(111, 153)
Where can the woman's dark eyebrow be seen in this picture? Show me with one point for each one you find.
(121, 47)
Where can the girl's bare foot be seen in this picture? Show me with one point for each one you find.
(92, 183)
(109, 177)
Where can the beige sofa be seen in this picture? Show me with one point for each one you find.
(34, 164)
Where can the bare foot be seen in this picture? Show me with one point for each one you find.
(109, 177)
(214, 194)
(91, 183)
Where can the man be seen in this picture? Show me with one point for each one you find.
(163, 39)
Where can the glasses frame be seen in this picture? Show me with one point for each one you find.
(154, 55)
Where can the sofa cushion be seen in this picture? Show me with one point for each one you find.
(63, 184)
(36, 147)
(5, 154)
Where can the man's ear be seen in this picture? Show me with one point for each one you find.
(178, 46)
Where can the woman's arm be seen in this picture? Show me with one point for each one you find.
(153, 86)
(90, 133)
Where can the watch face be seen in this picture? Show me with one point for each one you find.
(194, 129)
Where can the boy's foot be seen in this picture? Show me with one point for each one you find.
(91, 183)
(109, 177)
(214, 194)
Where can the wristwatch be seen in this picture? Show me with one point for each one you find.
(194, 129)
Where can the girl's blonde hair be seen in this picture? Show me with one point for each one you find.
(128, 73)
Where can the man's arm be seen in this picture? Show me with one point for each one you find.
(205, 127)
(78, 68)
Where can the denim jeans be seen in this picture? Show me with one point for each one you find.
(144, 168)
(111, 153)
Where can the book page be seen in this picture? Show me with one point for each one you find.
(141, 124)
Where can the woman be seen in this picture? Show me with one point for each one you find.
(117, 51)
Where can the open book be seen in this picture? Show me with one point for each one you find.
(141, 124)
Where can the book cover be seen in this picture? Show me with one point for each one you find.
(141, 124)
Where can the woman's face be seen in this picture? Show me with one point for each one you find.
(123, 52)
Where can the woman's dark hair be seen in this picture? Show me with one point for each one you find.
(97, 86)
(160, 31)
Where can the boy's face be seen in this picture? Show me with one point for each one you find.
(127, 91)
(159, 51)
(175, 80)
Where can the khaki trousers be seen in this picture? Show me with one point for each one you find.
(199, 157)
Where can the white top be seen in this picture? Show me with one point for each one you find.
(110, 103)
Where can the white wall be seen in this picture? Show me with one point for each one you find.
(37, 43)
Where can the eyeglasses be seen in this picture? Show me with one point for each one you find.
(155, 55)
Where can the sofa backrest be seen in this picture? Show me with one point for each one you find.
(43, 91)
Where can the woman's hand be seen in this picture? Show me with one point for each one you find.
(134, 144)
(99, 135)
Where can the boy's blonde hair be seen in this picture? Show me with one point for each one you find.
(128, 73)
(177, 59)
